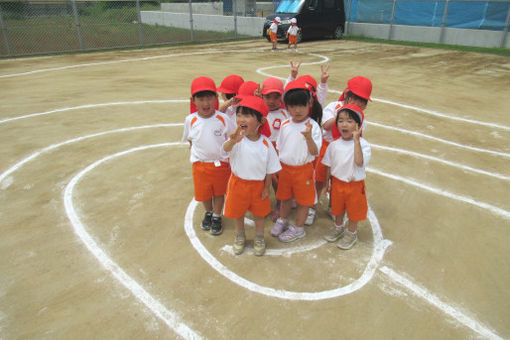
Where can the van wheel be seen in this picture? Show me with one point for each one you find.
(338, 33)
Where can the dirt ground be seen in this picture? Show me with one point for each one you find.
(100, 235)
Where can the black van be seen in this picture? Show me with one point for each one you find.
(316, 18)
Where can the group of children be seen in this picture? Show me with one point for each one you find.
(279, 136)
(291, 34)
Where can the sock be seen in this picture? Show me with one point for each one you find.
(215, 215)
(283, 219)
(339, 227)
(259, 234)
(300, 229)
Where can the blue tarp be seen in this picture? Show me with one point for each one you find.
(488, 15)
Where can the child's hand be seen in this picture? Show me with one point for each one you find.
(308, 130)
(357, 133)
(294, 68)
(258, 92)
(237, 135)
(265, 193)
(324, 74)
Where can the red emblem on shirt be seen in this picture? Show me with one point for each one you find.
(277, 123)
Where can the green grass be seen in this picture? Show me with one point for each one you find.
(505, 52)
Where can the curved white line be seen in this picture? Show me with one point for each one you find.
(496, 210)
(444, 141)
(170, 318)
(261, 69)
(436, 302)
(88, 106)
(439, 160)
(55, 146)
(380, 246)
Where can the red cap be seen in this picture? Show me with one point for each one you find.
(230, 84)
(360, 86)
(294, 85)
(351, 107)
(202, 84)
(271, 85)
(248, 88)
(258, 104)
(309, 80)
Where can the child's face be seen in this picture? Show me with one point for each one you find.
(346, 125)
(299, 113)
(205, 105)
(360, 103)
(273, 100)
(249, 124)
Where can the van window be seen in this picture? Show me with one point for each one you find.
(290, 6)
(314, 4)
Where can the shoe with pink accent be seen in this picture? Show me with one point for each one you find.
(292, 234)
(280, 226)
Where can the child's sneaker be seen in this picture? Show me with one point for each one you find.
(280, 226)
(335, 234)
(207, 221)
(311, 216)
(292, 234)
(259, 246)
(216, 227)
(239, 244)
(348, 241)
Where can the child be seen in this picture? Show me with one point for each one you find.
(272, 32)
(229, 88)
(253, 160)
(272, 90)
(207, 130)
(298, 145)
(292, 33)
(346, 159)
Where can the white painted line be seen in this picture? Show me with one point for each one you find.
(439, 160)
(74, 140)
(379, 248)
(262, 69)
(92, 106)
(498, 211)
(436, 302)
(414, 133)
(170, 318)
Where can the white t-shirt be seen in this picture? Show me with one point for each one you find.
(292, 30)
(275, 120)
(339, 157)
(291, 143)
(274, 27)
(207, 136)
(253, 160)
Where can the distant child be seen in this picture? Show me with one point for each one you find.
(272, 90)
(346, 159)
(229, 88)
(253, 160)
(292, 33)
(298, 144)
(207, 130)
(273, 29)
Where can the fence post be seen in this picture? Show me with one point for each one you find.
(349, 30)
(505, 31)
(140, 28)
(443, 23)
(4, 33)
(391, 20)
(77, 23)
(191, 20)
(235, 18)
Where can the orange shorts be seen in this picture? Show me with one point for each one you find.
(351, 196)
(243, 195)
(292, 39)
(210, 180)
(297, 182)
(272, 36)
(320, 169)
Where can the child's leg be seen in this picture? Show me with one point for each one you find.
(207, 220)
(240, 237)
(301, 214)
(216, 226)
(208, 205)
(285, 207)
(352, 226)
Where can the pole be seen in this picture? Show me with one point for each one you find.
(391, 20)
(235, 18)
(140, 27)
(443, 23)
(4, 33)
(191, 20)
(77, 23)
(505, 31)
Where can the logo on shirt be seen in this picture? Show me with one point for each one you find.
(277, 123)
(217, 133)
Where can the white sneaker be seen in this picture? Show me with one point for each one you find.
(348, 241)
(311, 216)
(335, 234)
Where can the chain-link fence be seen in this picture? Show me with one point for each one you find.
(40, 27)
